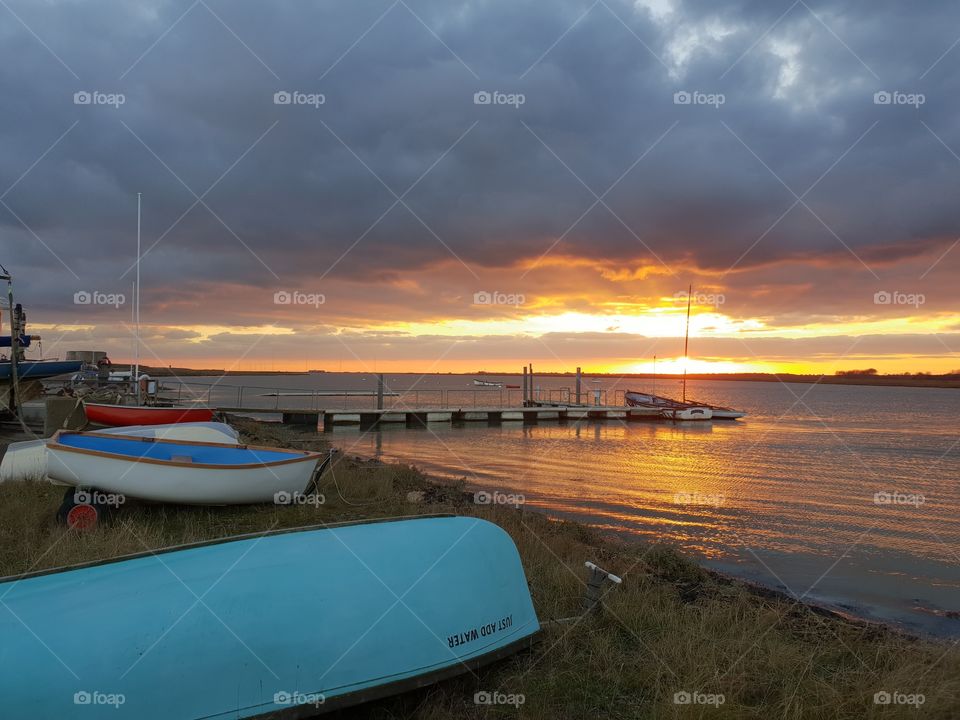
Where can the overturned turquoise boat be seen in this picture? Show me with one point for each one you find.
(285, 624)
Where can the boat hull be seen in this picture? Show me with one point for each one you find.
(39, 369)
(290, 623)
(687, 414)
(28, 460)
(178, 472)
(123, 415)
(671, 407)
(726, 414)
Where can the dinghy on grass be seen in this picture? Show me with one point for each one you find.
(291, 623)
(121, 415)
(27, 460)
(174, 471)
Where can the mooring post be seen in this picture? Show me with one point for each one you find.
(524, 399)
(598, 578)
(380, 391)
(578, 386)
(531, 384)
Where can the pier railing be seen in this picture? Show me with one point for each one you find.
(254, 397)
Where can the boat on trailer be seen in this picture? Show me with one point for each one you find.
(122, 415)
(27, 460)
(177, 471)
(292, 623)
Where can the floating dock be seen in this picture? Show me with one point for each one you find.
(328, 419)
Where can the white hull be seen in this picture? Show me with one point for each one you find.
(687, 413)
(28, 460)
(160, 482)
(669, 405)
(727, 414)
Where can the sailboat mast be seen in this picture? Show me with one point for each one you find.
(686, 343)
(136, 300)
(14, 399)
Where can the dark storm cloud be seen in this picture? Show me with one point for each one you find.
(291, 193)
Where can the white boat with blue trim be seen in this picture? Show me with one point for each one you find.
(175, 471)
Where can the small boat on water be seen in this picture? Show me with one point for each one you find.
(121, 415)
(718, 412)
(669, 409)
(177, 471)
(28, 460)
(488, 383)
(682, 409)
(686, 413)
(292, 623)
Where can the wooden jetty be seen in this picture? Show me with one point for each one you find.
(421, 417)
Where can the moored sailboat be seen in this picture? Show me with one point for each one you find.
(682, 409)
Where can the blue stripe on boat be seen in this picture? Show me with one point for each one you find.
(138, 448)
(329, 611)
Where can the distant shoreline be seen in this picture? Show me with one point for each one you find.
(928, 381)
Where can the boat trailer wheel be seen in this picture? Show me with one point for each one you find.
(82, 517)
(77, 513)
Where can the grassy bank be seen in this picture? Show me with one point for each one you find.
(670, 628)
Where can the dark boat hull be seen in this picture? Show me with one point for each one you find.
(39, 369)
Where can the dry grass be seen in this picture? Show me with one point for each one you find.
(670, 627)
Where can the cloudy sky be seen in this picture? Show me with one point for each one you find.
(436, 185)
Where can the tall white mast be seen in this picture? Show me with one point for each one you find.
(686, 343)
(136, 300)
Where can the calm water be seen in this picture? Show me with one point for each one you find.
(787, 496)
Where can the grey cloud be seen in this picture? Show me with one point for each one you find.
(400, 100)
